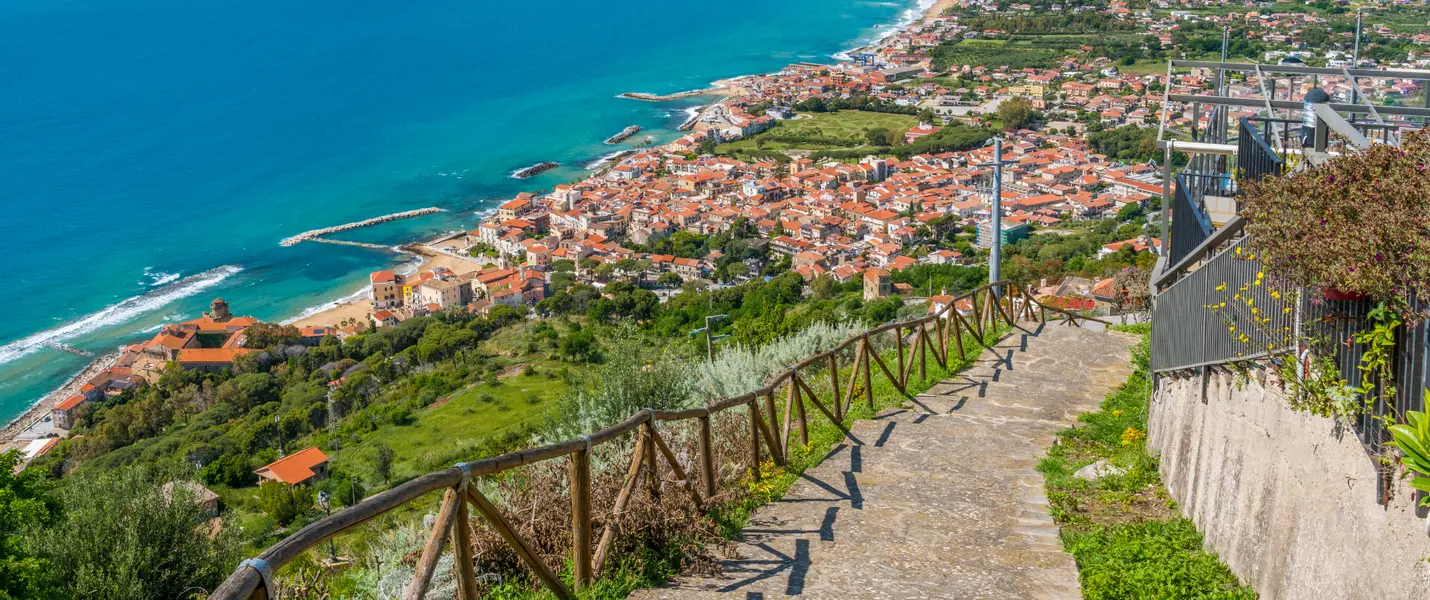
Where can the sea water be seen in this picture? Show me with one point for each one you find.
(153, 153)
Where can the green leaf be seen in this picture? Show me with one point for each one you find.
(1421, 483)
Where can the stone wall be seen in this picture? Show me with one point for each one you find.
(1286, 499)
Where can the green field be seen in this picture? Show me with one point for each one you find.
(845, 123)
(453, 430)
(820, 131)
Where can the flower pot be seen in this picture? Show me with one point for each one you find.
(1342, 295)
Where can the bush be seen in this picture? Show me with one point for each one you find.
(283, 502)
(1356, 223)
(230, 470)
(120, 537)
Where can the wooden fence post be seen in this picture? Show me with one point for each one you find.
(581, 518)
(799, 407)
(955, 331)
(627, 490)
(523, 551)
(462, 550)
(899, 337)
(707, 457)
(432, 552)
(776, 447)
(652, 469)
(755, 442)
(834, 387)
(868, 374)
(923, 352)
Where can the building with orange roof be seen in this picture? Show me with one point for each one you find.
(63, 413)
(295, 469)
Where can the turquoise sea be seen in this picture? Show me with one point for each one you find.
(154, 152)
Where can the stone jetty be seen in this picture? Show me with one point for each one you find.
(624, 134)
(647, 97)
(314, 234)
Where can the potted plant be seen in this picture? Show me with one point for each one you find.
(1357, 226)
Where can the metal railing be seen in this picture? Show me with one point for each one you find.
(1206, 317)
(1254, 157)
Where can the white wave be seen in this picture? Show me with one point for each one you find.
(603, 160)
(906, 19)
(119, 312)
(159, 278)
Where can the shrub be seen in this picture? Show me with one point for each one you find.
(1356, 223)
(284, 502)
(121, 536)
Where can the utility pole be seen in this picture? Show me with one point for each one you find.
(1355, 59)
(995, 253)
(709, 337)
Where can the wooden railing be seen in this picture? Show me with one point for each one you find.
(916, 340)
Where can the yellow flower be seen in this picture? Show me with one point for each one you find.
(1116, 412)
(1231, 328)
(1222, 287)
(1132, 435)
(1238, 251)
(1286, 310)
(1275, 294)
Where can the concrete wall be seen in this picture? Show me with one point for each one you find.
(1286, 500)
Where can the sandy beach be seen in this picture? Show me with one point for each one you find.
(937, 9)
(358, 309)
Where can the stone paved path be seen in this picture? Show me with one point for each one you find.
(940, 499)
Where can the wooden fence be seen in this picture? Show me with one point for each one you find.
(934, 335)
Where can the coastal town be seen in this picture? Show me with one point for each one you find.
(849, 208)
(1010, 284)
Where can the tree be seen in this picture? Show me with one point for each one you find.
(579, 345)
(1015, 113)
(382, 461)
(122, 535)
(268, 335)
(283, 502)
(824, 287)
(925, 116)
(22, 506)
(669, 279)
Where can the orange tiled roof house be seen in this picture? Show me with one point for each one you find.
(301, 467)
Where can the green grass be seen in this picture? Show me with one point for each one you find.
(847, 123)
(1124, 530)
(449, 431)
(820, 131)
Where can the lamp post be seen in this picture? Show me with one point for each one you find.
(326, 504)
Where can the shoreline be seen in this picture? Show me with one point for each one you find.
(349, 306)
(37, 411)
(355, 305)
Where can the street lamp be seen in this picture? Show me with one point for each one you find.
(326, 504)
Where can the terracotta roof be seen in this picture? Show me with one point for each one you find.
(296, 467)
(69, 403)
